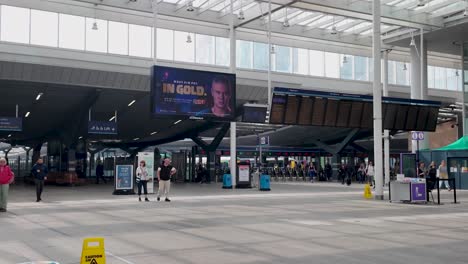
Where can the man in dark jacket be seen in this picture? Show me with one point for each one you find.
(39, 172)
(100, 172)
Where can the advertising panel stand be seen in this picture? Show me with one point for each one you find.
(243, 175)
(123, 180)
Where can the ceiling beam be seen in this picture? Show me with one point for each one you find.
(208, 7)
(431, 8)
(290, 3)
(363, 10)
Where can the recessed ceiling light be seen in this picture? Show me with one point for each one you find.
(80, 137)
(154, 133)
(131, 103)
(27, 114)
(112, 118)
(135, 139)
(9, 135)
(39, 96)
(177, 122)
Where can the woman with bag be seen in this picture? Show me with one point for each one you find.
(6, 178)
(370, 173)
(142, 180)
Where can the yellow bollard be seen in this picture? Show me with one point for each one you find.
(367, 191)
(93, 251)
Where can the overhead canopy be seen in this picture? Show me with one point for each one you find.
(461, 144)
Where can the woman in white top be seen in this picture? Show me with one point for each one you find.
(370, 173)
(142, 180)
(443, 175)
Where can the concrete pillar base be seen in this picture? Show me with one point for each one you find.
(379, 197)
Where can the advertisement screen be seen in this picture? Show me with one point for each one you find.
(194, 94)
(254, 114)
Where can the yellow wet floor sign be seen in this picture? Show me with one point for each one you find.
(367, 191)
(93, 251)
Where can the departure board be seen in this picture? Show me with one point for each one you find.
(356, 114)
(318, 108)
(277, 109)
(318, 113)
(431, 124)
(412, 117)
(422, 118)
(343, 114)
(400, 121)
(305, 111)
(292, 108)
(390, 115)
(331, 112)
(367, 116)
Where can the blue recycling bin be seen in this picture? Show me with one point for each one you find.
(265, 182)
(227, 181)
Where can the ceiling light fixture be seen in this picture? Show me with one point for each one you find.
(80, 137)
(112, 118)
(190, 6)
(241, 15)
(421, 3)
(273, 51)
(404, 67)
(131, 103)
(154, 133)
(286, 20)
(27, 114)
(38, 96)
(345, 59)
(189, 39)
(334, 31)
(177, 122)
(135, 139)
(95, 26)
(412, 42)
(9, 135)
(456, 73)
(465, 13)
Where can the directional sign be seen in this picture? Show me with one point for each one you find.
(417, 135)
(102, 128)
(264, 141)
(11, 124)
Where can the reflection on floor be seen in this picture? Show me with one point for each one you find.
(294, 223)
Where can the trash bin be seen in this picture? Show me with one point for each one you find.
(227, 181)
(265, 182)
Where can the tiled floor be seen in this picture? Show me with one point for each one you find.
(294, 223)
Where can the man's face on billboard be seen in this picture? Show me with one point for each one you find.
(220, 93)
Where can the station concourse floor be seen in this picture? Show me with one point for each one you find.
(294, 223)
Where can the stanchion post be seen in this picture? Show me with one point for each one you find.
(438, 191)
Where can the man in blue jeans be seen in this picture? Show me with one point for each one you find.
(39, 171)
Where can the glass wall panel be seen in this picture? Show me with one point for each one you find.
(391, 72)
(44, 28)
(316, 63)
(165, 44)
(223, 51)
(244, 54)
(300, 61)
(184, 50)
(118, 38)
(15, 24)
(430, 77)
(140, 41)
(260, 58)
(71, 32)
(452, 79)
(440, 78)
(283, 59)
(332, 65)
(205, 49)
(360, 68)
(346, 67)
(96, 35)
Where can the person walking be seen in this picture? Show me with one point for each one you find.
(39, 171)
(142, 180)
(443, 175)
(362, 173)
(100, 172)
(6, 178)
(370, 173)
(165, 172)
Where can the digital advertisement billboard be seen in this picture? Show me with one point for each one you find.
(193, 94)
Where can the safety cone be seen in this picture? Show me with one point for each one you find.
(367, 191)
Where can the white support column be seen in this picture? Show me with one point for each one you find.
(377, 101)
(270, 49)
(233, 134)
(386, 131)
(155, 29)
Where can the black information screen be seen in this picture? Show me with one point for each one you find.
(432, 119)
(390, 115)
(356, 114)
(305, 111)
(411, 118)
(422, 118)
(400, 122)
(319, 111)
(292, 108)
(343, 114)
(254, 114)
(367, 115)
(331, 113)
(277, 109)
